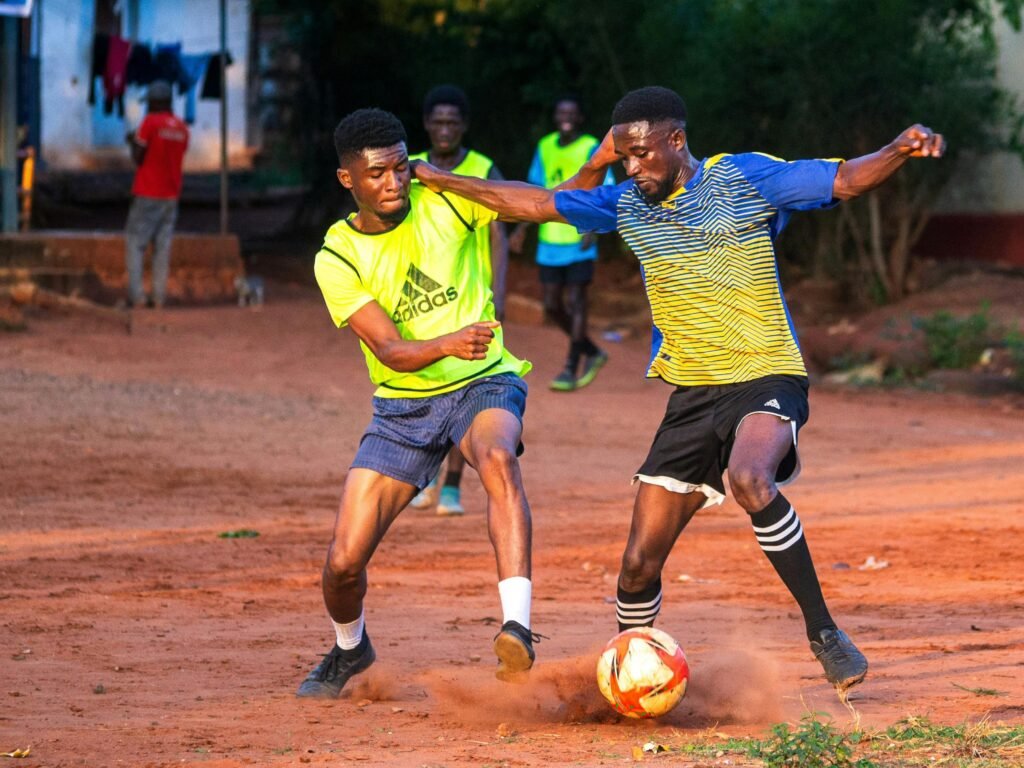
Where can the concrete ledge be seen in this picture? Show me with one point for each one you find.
(203, 267)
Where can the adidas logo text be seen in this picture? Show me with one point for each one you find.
(421, 294)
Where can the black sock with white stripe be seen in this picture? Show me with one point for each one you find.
(781, 536)
(638, 609)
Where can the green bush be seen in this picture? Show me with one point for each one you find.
(814, 744)
(955, 342)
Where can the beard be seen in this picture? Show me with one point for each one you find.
(661, 192)
(396, 216)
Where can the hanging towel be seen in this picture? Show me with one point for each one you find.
(167, 63)
(141, 69)
(211, 85)
(114, 74)
(98, 66)
(193, 67)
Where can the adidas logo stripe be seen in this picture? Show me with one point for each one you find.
(638, 614)
(781, 535)
(773, 403)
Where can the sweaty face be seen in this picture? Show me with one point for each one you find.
(445, 126)
(652, 156)
(568, 116)
(379, 181)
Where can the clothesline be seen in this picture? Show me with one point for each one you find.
(121, 62)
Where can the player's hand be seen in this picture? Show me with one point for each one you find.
(471, 342)
(588, 240)
(604, 155)
(427, 174)
(919, 141)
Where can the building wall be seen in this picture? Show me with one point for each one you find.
(77, 136)
(993, 184)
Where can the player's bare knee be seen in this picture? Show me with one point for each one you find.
(497, 461)
(344, 568)
(638, 571)
(753, 488)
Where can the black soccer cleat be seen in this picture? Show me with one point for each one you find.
(844, 665)
(330, 676)
(514, 648)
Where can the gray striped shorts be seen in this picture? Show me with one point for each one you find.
(409, 437)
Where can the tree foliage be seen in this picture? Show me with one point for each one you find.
(796, 78)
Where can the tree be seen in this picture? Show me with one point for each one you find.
(819, 77)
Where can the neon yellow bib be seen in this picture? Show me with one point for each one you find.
(429, 276)
(561, 164)
(479, 166)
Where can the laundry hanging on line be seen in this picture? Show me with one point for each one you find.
(119, 62)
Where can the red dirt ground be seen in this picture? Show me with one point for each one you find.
(132, 635)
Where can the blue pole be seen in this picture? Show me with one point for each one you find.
(9, 126)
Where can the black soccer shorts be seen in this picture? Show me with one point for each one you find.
(691, 448)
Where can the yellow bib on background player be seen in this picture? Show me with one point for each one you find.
(478, 166)
(429, 276)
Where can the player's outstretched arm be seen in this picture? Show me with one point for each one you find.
(862, 174)
(372, 324)
(513, 200)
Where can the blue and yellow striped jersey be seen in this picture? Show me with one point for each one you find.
(707, 257)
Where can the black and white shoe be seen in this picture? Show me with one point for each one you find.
(514, 647)
(844, 665)
(330, 676)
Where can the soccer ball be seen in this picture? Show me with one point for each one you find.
(643, 672)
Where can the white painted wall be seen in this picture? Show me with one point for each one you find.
(76, 136)
(995, 183)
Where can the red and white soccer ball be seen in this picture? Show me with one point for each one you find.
(643, 672)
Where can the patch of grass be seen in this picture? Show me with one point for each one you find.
(815, 743)
(968, 745)
(241, 533)
(955, 342)
(980, 691)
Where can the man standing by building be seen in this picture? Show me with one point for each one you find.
(565, 257)
(158, 149)
(446, 120)
(703, 231)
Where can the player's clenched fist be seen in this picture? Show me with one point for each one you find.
(919, 141)
(471, 342)
(426, 173)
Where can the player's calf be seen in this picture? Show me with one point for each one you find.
(638, 608)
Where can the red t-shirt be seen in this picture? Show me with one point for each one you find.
(165, 138)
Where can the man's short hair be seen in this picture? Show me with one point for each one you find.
(449, 95)
(652, 104)
(367, 129)
(570, 96)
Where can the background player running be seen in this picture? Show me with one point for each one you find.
(446, 120)
(565, 258)
(405, 274)
(703, 231)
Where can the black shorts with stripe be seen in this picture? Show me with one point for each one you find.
(691, 448)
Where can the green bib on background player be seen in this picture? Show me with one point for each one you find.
(478, 166)
(561, 164)
(429, 276)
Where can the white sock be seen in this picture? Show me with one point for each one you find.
(350, 634)
(516, 593)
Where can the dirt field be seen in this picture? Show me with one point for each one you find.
(130, 634)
